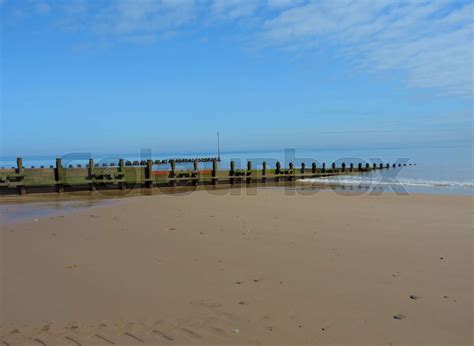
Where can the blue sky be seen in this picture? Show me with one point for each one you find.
(116, 76)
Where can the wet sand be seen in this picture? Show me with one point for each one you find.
(259, 268)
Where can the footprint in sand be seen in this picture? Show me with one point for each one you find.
(398, 317)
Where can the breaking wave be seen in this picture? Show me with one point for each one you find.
(364, 181)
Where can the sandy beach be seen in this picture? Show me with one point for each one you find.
(242, 267)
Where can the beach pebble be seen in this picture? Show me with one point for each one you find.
(414, 297)
(398, 317)
(71, 266)
(236, 331)
(36, 220)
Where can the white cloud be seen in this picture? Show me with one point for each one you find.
(283, 3)
(233, 9)
(430, 42)
(134, 21)
(145, 16)
(427, 44)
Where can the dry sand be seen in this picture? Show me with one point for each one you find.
(251, 269)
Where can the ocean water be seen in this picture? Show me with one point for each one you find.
(444, 170)
(440, 170)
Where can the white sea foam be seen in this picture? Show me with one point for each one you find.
(367, 181)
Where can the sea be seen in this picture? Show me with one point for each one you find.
(438, 170)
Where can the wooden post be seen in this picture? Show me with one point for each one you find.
(359, 167)
(387, 166)
(90, 167)
(303, 167)
(381, 165)
(313, 168)
(343, 167)
(173, 172)
(196, 172)
(290, 176)
(324, 167)
(121, 169)
(374, 166)
(249, 172)
(351, 167)
(232, 172)
(59, 175)
(214, 172)
(394, 165)
(277, 171)
(333, 166)
(149, 173)
(367, 166)
(19, 164)
(264, 172)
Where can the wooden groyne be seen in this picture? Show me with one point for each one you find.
(128, 174)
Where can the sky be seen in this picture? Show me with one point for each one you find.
(115, 76)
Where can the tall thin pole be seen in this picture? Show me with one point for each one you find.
(218, 148)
